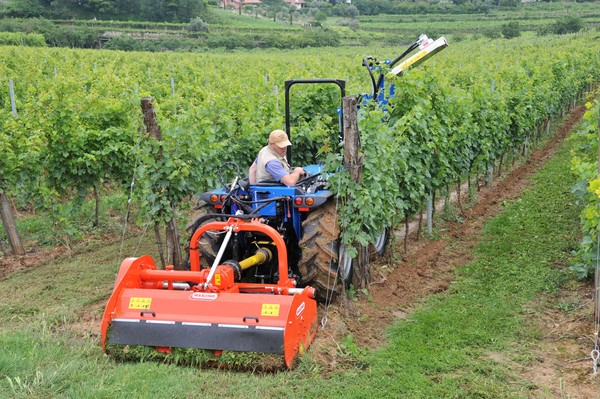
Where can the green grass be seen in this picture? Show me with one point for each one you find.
(246, 21)
(465, 343)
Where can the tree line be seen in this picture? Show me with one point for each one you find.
(137, 10)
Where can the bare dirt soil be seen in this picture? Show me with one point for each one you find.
(10, 264)
(427, 268)
(561, 366)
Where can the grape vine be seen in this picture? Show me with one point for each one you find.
(78, 120)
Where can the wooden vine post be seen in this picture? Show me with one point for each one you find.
(171, 231)
(10, 227)
(353, 163)
(6, 212)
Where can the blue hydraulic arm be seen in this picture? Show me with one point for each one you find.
(426, 48)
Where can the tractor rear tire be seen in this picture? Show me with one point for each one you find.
(209, 245)
(380, 246)
(321, 250)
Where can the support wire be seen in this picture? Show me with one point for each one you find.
(595, 354)
(330, 292)
(128, 212)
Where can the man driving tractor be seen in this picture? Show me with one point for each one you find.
(271, 162)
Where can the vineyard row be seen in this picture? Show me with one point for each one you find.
(472, 107)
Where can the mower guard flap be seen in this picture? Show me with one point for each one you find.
(249, 323)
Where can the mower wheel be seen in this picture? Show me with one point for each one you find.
(324, 264)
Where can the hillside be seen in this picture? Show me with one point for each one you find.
(318, 26)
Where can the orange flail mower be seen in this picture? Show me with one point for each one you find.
(212, 308)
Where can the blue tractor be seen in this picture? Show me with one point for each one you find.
(305, 215)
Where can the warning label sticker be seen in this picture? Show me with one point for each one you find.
(139, 303)
(270, 309)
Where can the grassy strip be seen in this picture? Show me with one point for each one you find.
(453, 344)
(465, 343)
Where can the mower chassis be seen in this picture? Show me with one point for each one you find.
(173, 308)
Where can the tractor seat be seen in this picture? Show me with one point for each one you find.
(267, 183)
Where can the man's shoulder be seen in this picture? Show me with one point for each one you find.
(267, 155)
(263, 149)
(275, 168)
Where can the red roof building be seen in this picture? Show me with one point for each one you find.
(296, 3)
(236, 3)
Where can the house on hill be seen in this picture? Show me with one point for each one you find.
(298, 4)
(237, 3)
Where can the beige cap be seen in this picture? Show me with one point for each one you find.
(279, 138)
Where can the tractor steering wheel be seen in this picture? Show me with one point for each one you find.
(307, 178)
(224, 169)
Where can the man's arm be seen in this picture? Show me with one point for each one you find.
(280, 174)
(292, 178)
(252, 173)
